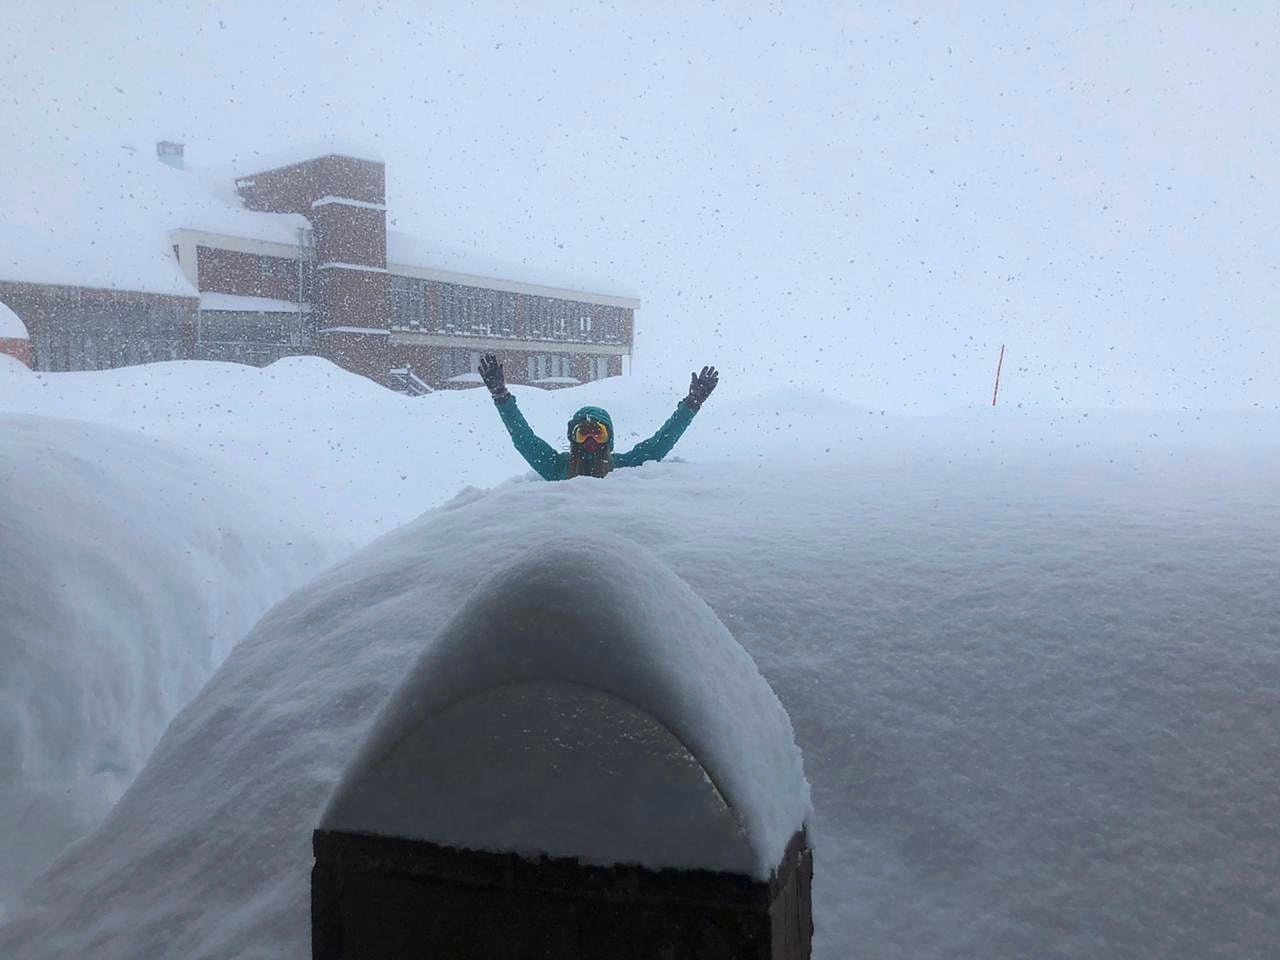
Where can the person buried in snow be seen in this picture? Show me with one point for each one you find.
(591, 451)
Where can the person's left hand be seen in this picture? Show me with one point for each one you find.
(700, 386)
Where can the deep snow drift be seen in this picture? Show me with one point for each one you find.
(1035, 694)
(128, 568)
(11, 325)
(353, 459)
(586, 704)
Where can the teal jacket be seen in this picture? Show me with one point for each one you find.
(553, 465)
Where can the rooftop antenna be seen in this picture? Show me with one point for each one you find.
(999, 364)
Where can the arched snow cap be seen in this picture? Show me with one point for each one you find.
(11, 325)
(584, 702)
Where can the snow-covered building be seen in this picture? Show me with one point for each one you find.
(171, 263)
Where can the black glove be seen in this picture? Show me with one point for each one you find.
(491, 374)
(700, 387)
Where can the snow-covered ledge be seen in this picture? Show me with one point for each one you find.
(584, 705)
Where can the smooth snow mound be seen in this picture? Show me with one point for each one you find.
(128, 568)
(584, 705)
(11, 325)
(1036, 697)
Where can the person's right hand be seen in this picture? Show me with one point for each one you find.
(700, 387)
(491, 374)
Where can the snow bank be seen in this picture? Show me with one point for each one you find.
(1035, 695)
(128, 568)
(584, 705)
(347, 457)
(11, 325)
(357, 460)
(410, 250)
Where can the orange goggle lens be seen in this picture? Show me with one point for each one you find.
(591, 429)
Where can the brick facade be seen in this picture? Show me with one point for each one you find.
(81, 328)
(248, 274)
(349, 234)
(20, 350)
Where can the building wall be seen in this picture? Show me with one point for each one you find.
(344, 199)
(362, 353)
(80, 328)
(295, 187)
(250, 337)
(253, 275)
(349, 234)
(347, 297)
(20, 350)
(536, 337)
(441, 307)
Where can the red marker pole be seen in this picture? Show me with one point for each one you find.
(996, 391)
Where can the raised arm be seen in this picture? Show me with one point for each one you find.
(539, 454)
(660, 444)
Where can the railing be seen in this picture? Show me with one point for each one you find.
(404, 380)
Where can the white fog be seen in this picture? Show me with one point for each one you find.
(1010, 659)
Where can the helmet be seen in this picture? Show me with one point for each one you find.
(592, 415)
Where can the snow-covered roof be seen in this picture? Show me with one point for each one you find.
(235, 302)
(11, 325)
(104, 220)
(584, 704)
(249, 162)
(471, 377)
(405, 252)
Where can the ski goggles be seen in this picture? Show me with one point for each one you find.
(593, 429)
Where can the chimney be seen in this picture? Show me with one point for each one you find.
(170, 153)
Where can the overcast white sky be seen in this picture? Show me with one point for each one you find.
(870, 198)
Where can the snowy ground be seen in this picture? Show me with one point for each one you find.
(357, 461)
(1031, 658)
(128, 568)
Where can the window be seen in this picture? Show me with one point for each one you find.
(542, 367)
(408, 302)
(535, 317)
(452, 306)
(457, 363)
(609, 325)
(584, 324)
(505, 312)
